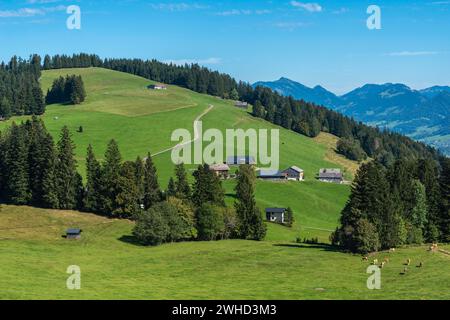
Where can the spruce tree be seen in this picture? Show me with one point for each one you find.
(93, 196)
(111, 171)
(207, 187)
(139, 179)
(183, 189)
(171, 189)
(152, 192)
(17, 183)
(445, 199)
(127, 193)
(66, 174)
(251, 225)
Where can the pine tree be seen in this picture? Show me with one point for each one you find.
(171, 188)
(445, 199)
(152, 192)
(139, 179)
(183, 190)
(207, 187)
(17, 183)
(42, 162)
(127, 193)
(93, 196)
(66, 174)
(251, 225)
(111, 170)
(5, 108)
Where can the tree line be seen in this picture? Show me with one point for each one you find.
(20, 92)
(66, 90)
(358, 140)
(406, 203)
(36, 171)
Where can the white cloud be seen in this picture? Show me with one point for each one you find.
(209, 61)
(30, 12)
(311, 7)
(239, 12)
(182, 6)
(412, 53)
(23, 12)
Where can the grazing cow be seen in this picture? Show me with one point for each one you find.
(365, 258)
(392, 250)
(386, 259)
(408, 262)
(382, 265)
(420, 265)
(375, 262)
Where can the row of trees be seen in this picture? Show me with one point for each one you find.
(66, 90)
(20, 92)
(305, 118)
(36, 171)
(406, 203)
(200, 212)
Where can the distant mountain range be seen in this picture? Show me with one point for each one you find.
(423, 115)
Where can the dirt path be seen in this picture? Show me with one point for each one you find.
(196, 133)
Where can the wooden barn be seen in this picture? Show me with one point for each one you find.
(73, 234)
(295, 173)
(277, 215)
(331, 175)
(221, 170)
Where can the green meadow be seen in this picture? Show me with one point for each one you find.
(35, 256)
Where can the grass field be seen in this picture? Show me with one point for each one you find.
(35, 258)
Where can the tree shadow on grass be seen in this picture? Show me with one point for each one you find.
(324, 247)
(129, 239)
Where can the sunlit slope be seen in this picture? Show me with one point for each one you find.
(120, 106)
(35, 258)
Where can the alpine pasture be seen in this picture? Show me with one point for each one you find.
(35, 256)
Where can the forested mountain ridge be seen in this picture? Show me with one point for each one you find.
(423, 115)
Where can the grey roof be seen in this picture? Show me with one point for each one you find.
(330, 174)
(295, 168)
(241, 160)
(276, 210)
(219, 167)
(74, 231)
(270, 173)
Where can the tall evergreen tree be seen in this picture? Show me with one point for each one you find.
(16, 160)
(127, 192)
(445, 199)
(93, 199)
(251, 225)
(152, 191)
(183, 189)
(66, 174)
(111, 171)
(207, 187)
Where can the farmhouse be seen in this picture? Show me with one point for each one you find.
(73, 234)
(236, 161)
(221, 170)
(276, 215)
(241, 104)
(157, 87)
(271, 175)
(331, 175)
(294, 173)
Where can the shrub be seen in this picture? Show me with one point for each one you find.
(151, 228)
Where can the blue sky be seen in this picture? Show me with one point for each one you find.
(314, 42)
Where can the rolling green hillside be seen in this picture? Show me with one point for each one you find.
(120, 106)
(35, 258)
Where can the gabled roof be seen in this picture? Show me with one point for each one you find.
(271, 173)
(276, 210)
(219, 167)
(297, 169)
(74, 231)
(330, 173)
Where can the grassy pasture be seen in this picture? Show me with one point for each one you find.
(35, 258)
